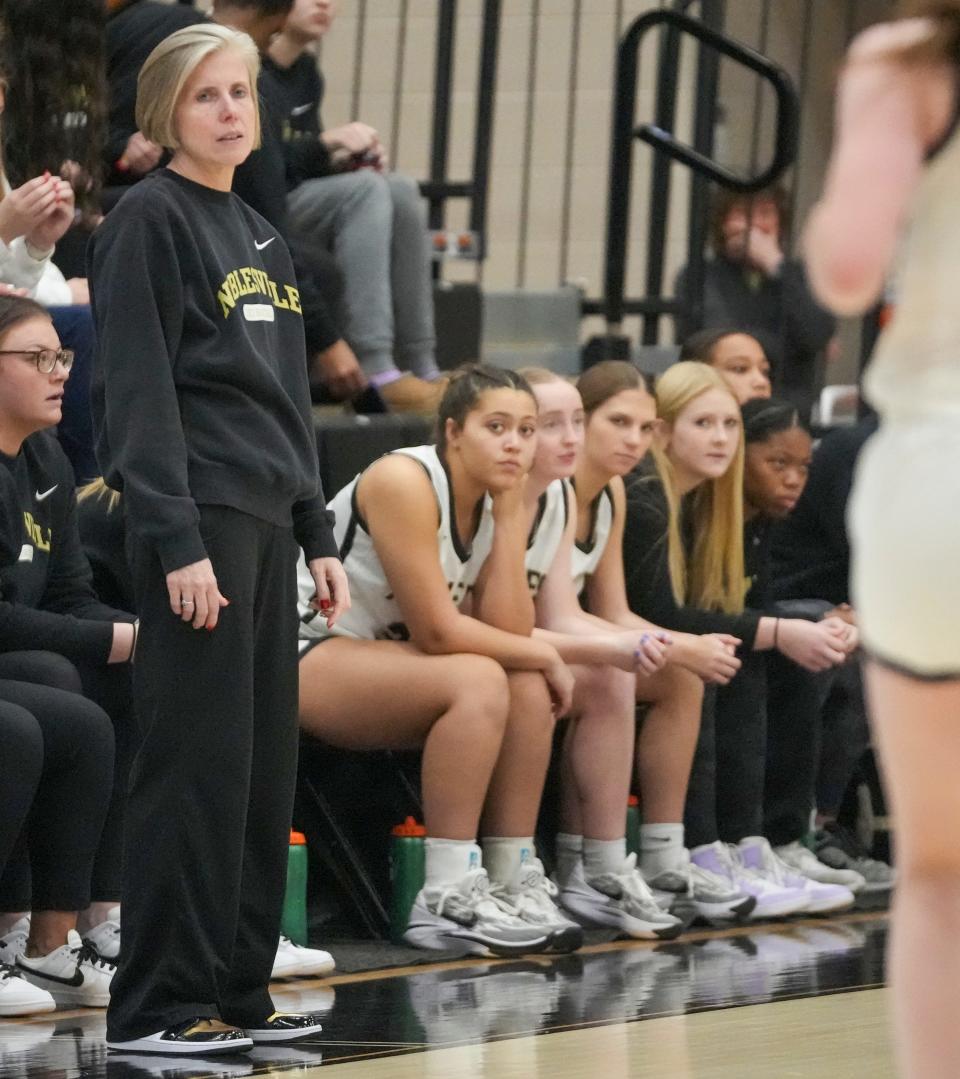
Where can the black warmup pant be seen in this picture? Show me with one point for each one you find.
(110, 688)
(56, 768)
(211, 789)
(818, 733)
(725, 794)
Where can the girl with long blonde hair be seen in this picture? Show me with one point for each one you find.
(684, 563)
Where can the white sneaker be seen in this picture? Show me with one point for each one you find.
(71, 974)
(533, 896)
(465, 914)
(296, 961)
(14, 943)
(757, 854)
(621, 900)
(105, 937)
(19, 997)
(712, 895)
(803, 861)
(772, 900)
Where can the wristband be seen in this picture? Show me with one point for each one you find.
(136, 637)
(776, 631)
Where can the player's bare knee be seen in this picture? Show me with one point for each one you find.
(530, 700)
(480, 685)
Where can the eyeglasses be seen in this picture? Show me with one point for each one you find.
(45, 358)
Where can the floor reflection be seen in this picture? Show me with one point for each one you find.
(476, 1003)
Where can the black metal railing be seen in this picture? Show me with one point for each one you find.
(695, 157)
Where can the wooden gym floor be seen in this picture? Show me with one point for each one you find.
(803, 998)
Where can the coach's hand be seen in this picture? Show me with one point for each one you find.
(194, 595)
(333, 592)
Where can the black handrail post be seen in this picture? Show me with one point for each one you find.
(483, 141)
(621, 151)
(713, 14)
(665, 114)
(442, 91)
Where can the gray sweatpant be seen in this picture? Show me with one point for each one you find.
(375, 226)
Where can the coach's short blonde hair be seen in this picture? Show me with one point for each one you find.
(167, 69)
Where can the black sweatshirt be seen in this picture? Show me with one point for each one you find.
(295, 92)
(811, 549)
(647, 572)
(260, 181)
(200, 393)
(780, 311)
(46, 598)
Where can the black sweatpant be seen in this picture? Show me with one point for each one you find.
(56, 770)
(818, 733)
(110, 688)
(211, 788)
(725, 793)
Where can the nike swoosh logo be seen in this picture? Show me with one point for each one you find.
(76, 980)
(299, 110)
(46, 494)
(265, 243)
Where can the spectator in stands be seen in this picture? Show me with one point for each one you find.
(54, 632)
(750, 283)
(185, 276)
(684, 564)
(345, 199)
(738, 357)
(416, 545)
(615, 663)
(134, 29)
(34, 216)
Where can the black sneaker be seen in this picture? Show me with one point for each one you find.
(284, 1027)
(198, 1037)
(837, 847)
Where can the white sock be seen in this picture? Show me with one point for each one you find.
(603, 856)
(661, 848)
(569, 855)
(503, 856)
(449, 860)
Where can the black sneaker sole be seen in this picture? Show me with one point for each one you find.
(565, 941)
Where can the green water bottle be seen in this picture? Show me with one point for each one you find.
(407, 873)
(633, 825)
(293, 922)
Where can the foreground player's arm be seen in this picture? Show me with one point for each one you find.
(888, 113)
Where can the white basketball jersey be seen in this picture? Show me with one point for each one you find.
(586, 556)
(545, 536)
(374, 613)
